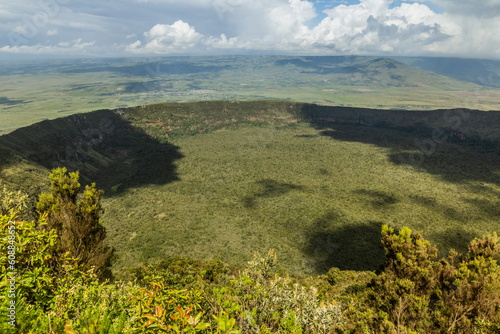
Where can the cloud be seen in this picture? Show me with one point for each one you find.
(76, 47)
(372, 27)
(481, 9)
(6, 14)
(166, 39)
(165, 27)
(288, 23)
(223, 43)
(254, 24)
(472, 37)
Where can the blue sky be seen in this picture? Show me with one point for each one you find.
(117, 28)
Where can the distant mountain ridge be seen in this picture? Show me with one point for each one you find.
(479, 71)
(371, 71)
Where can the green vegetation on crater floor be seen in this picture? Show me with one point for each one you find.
(221, 179)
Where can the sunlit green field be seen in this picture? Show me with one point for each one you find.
(318, 196)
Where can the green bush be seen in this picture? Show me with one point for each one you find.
(77, 221)
(413, 293)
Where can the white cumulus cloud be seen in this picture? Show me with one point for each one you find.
(372, 27)
(163, 39)
(282, 26)
(222, 42)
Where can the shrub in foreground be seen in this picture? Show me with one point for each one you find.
(411, 293)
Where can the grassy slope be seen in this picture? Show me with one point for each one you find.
(234, 177)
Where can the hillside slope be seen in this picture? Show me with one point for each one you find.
(479, 71)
